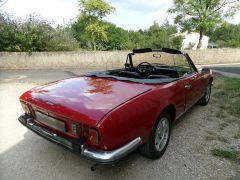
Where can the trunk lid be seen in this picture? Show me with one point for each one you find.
(83, 99)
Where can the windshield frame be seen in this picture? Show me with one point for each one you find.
(129, 60)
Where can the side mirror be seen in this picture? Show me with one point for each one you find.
(205, 70)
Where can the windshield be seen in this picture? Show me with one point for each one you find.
(160, 59)
(152, 66)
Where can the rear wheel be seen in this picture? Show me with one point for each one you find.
(206, 97)
(158, 141)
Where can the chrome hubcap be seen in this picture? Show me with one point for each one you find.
(208, 92)
(161, 134)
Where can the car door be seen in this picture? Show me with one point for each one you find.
(193, 89)
(191, 80)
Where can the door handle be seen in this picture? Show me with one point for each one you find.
(188, 86)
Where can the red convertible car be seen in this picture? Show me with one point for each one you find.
(106, 115)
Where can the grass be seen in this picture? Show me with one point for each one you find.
(216, 137)
(237, 136)
(227, 154)
(235, 108)
(226, 99)
(226, 95)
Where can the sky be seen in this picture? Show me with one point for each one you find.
(129, 14)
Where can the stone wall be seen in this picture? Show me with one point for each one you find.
(215, 56)
(101, 59)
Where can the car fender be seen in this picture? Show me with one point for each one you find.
(135, 118)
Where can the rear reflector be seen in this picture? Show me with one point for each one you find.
(51, 122)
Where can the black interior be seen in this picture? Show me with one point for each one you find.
(147, 72)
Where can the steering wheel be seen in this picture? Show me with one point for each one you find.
(145, 68)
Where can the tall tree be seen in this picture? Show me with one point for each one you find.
(202, 15)
(157, 37)
(92, 13)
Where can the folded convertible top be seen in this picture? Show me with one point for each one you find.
(104, 74)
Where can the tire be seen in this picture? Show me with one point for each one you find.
(151, 148)
(206, 97)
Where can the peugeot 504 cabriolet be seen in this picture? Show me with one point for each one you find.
(106, 115)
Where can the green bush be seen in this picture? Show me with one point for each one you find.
(34, 35)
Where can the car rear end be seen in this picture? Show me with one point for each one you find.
(69, 113)
(62, 130)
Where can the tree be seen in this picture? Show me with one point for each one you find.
(227, 35)
(117, 38)
(202, 15)
(33, 35)
(157, 37)
(135, 40)
(92, 13)
(80, 34)
(169, 28)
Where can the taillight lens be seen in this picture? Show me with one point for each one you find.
(91, 135)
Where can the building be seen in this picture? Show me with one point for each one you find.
(190, 40)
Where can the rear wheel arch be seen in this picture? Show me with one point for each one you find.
(171, 110)
(149, 148)
(211, 80)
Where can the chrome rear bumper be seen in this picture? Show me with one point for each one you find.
(110, 156)
(99, 156)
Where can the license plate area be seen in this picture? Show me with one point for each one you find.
(50, 121)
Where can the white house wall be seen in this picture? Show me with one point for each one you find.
(193, 38)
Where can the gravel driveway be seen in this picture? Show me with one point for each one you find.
(25, 155)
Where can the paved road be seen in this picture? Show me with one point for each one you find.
(232, 70)
(24, 155)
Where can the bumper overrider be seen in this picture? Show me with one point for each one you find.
(79, 146)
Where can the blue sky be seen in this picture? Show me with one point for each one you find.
(129, 14)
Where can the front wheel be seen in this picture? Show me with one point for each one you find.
(158, 141)
(206, 97)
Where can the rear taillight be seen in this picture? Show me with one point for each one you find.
(91, 135)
